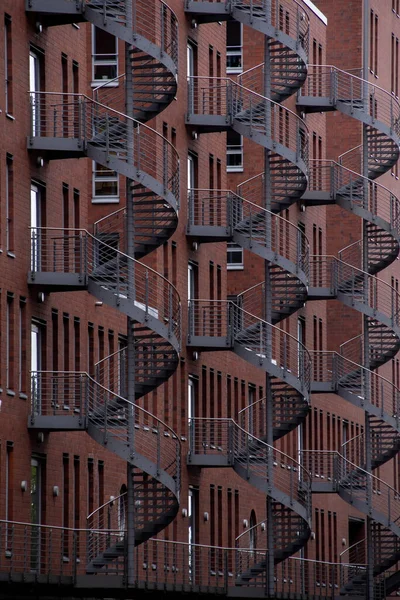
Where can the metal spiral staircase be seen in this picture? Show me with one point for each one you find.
(222, 443)
(332, 89)
(105, 264)
(286, 28)
(217, 104)
(152, 32)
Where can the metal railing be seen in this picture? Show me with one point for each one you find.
(121, 138)
(156, 22)
(224, 97)
(340, 277)
(224, 208)
(331, 367)
(253, 456)
(57, 250)
(61, 393)
(330, 176)
(371, 492)
(26, 547)
(287, 16)
(338, 85)
(221, 318)
(153, 361)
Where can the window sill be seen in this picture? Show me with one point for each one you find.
(234, 169)
(105, 200)
(23, 396)
(8, 116)
(10, 393)
(10, 254)
(234, 71)
(104, 83)
(235, 268)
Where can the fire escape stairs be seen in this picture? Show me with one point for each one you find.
(108, 273)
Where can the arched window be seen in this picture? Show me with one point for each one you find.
(253, 531)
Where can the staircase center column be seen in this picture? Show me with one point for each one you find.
(130, 250)
(268, 311)
(366, 354)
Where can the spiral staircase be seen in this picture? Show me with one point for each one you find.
(105, 263)
(332, 89)
(217, 104)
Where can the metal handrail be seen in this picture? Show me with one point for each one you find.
(113, 110)
(115, 394)
(257, 440)
(110, 501)
(114, 250)
(257, 207)
(234, 83)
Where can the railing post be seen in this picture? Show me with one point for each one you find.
(230, 443)
(118, 279)
(74, 553)
(105, 437)
(107, 138)
(146, 295)
(54, 122)
(226, 570)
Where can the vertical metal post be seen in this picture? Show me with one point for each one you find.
(268, 315)
(130, 250)
(367, 383)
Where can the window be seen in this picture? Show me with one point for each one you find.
(395, 66)
(35, 228)
(191, 397)
(191, 171)
(373, 43)
(10, 334)
(191, 68)
(9, 205)
(104, 56)
(192, 281)
(35, 366)
(234, 259)
(105, 184)
(34, 87)
(234, 152)
(8, 65)
(22, 348)
(234, 32)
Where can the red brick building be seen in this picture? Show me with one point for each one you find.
(199, 308)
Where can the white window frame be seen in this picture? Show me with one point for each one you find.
(114, 199)
(236, 150)
(34, 87)
(235, 51)
(231, 266)
(35, 219)
(109, 82)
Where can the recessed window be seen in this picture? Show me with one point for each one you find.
(104, 56)
(234, 152)
(234, 58)
(105, 184)
(234, 258)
